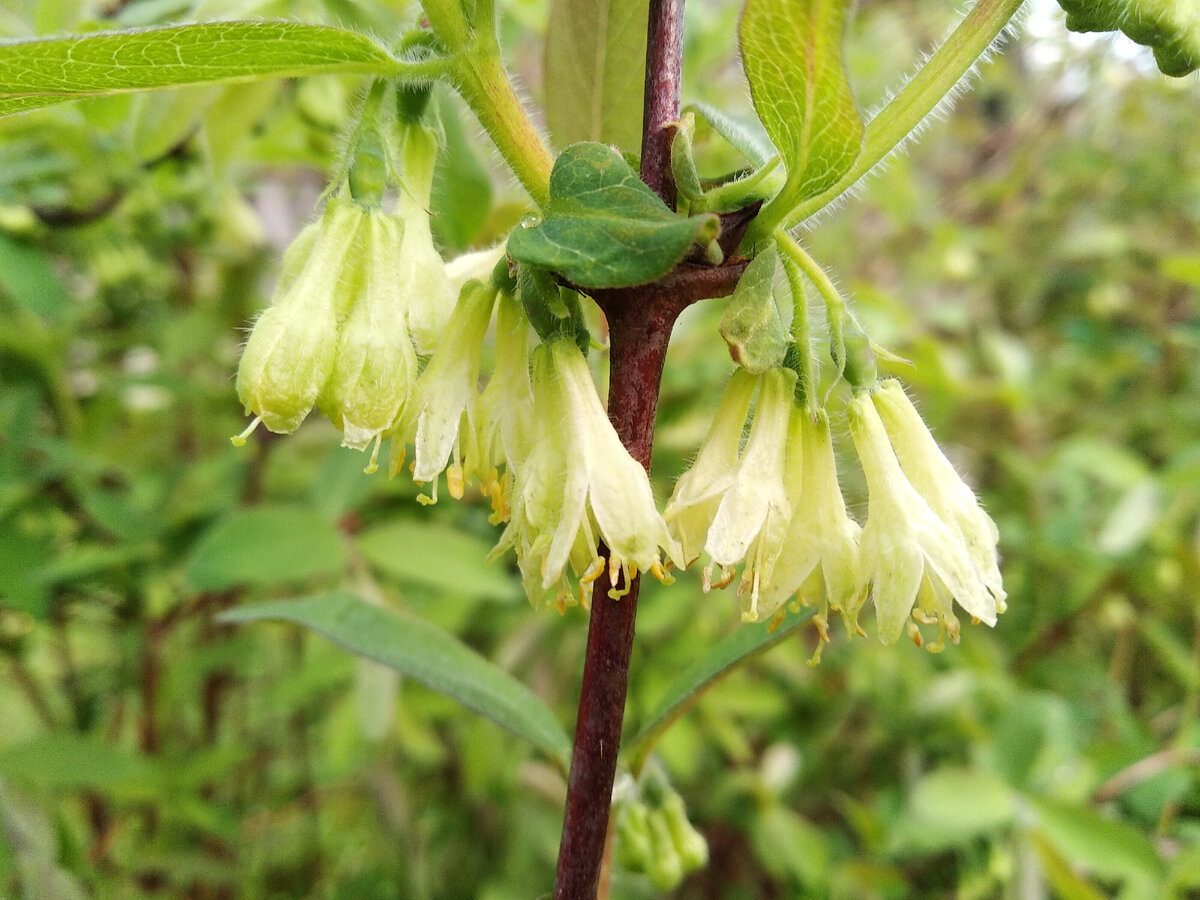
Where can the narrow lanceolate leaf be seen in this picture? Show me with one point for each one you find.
(721, 659)
(43, 71)
(792, 54)
(595, 67)
(603, 228)
(425, 653)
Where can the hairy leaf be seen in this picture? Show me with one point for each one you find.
(44, 71)
(603, 228)
(426, 653)
(792, 54)
(595, 67)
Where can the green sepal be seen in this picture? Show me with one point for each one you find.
(553, 311)
(751, 325)
(859, 369)
(368, 175)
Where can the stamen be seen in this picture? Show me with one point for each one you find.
(432, 498)
(915, 634)
(454, 480)
(594, 571)
(727, 576)
(396, 457)
(239, 440)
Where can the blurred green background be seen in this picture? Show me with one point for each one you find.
(1036, 255)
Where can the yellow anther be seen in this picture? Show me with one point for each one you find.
(915, 634)
(594, 571)
(454, 480)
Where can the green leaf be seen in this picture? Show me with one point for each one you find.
(750, 324)
(27, 276)
(438, 557)
(792, 54)
(603, 228)
(67, 760)
(746, 136)
(43, 71)
(1109, 848)
(595, 68)
(720, 659)
(951, 805)
(266, 546)
(426, 653)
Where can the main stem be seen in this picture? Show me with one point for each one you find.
(639, 329)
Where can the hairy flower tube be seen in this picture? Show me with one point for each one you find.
(821, 563)
(917, 564)
(752, 518)
(579, 486)
(936, 479)
(375, 366)
(448, 391)
(292, 347)
(503, 427)
(699, 490)
(430, 296)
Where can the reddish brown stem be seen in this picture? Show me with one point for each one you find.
(640, 322)
(664, 68)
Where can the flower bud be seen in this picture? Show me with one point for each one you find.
(290, 354)
(376, 366)
(429, 296)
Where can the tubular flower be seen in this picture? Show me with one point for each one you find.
(447, 391)
(910, 555)
(822, 559)
(699, 490)
(752, 519)
(503, 429)
(927, 468)
(422, 272)
(579, 486)
(376, 366)
(291, 351)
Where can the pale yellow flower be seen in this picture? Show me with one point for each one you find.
(911, 557)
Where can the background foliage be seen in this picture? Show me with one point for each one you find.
(1035, 256)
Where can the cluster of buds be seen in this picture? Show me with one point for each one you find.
(360, 294)
(653, 833)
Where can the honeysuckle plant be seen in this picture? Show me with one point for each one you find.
(388, 340)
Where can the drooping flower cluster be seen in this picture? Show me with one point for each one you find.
(358, 295)
(372, 328)
(772, 503)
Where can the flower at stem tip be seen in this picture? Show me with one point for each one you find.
(577, 487)
(917, 563)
